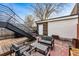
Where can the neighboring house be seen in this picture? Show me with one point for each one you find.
(65, 26)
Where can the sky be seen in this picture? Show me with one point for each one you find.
(24, 9)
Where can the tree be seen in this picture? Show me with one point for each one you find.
(29, 21)
(44, 10)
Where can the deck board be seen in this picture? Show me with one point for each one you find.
(6, 44)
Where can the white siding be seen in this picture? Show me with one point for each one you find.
(65, 28)
(40, 29)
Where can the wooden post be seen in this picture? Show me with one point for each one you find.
(78, 31)
(45, 28)
(74, 43)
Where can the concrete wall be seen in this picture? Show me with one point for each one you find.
(65, 28)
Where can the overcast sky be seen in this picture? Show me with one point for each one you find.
(23, 9)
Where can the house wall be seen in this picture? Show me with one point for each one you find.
(65, 28)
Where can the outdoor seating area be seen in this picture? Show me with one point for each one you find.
(33, 49)
(42, 46)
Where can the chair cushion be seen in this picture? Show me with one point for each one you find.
(45, 41)
(24, 49)
(26, 54)
(47, 38)
(15, 47)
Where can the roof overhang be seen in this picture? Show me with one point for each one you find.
(70, 17)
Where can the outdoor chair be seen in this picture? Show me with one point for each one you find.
(47, 41)
(55, 37)
(19, 50)
(41, 48)
(25, 52)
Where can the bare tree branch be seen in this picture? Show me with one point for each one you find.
(29, 21)
(44, 10)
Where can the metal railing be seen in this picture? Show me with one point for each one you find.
(9, 16)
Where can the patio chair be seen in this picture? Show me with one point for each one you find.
(25, 52)
(20, 49)
(47, 41)
(55, 37)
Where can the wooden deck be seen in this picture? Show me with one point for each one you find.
(6, 44)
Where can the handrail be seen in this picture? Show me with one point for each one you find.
(12, 17)
(12, 11)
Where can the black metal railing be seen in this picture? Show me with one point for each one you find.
(9, 16)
